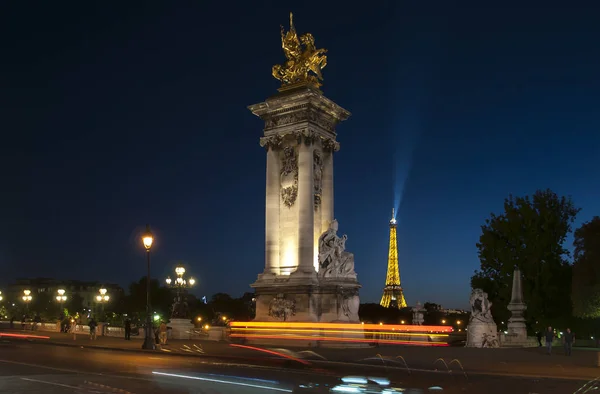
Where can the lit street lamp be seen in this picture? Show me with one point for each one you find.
(27, 298)
(61, 297)
(102, 298)
(0, 296)
(148, 239)
(180, 284)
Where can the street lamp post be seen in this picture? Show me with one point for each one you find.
(61, 297)
(180, 284)
(147, 239)
(27, 299)
(102, 298)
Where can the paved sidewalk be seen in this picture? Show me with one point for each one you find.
(177, 346)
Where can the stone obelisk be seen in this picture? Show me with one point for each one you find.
(517, 329)
(300, 139)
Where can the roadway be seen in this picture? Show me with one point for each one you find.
(30, 367)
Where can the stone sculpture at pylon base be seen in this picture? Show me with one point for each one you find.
(482, 330)
(334, 261)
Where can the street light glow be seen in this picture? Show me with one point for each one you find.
(61, 297)
(180, 271)
(168, 280)
(27, 295)
(102, 297)
(192, 281)
(148, 238)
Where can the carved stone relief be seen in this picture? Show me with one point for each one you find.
(282, 308)
(302, 115)
(330, 145)
(273, 142)
(348, 304)
(289, 176)
(318, 177)
(305, 135)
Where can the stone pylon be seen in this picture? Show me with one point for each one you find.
(516, 324)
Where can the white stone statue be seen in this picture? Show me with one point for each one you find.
(334, 261)
(482, 331)
(418, 318)
(480, 307)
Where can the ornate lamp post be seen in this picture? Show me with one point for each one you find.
(102, 298)
(27, 298)
(61, 297)
(180, 284)
(148, 239)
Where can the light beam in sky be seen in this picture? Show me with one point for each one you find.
(405, 143)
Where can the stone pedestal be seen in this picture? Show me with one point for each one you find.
(318, 301)
(181, 328)
(482, 335)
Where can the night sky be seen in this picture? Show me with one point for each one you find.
(114, 116)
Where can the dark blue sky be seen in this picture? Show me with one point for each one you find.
(114, 116)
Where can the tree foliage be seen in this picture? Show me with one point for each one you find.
(161, 298)
(529, 234)
(586, 270)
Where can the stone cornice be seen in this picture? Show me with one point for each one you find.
(301, 105)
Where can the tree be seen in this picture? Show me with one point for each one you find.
(434, 314)
(74, 304)
(530, 235)
(232, 308)
(161, 298)
(586, 270)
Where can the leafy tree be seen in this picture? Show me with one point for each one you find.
(586, 270)
(43, 303)
(74, 304)
(434, 314)
(530, 235)
(161, 298)
(233, 308)
(374, 313)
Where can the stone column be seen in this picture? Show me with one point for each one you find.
(305, 205)
(327, 189)
(272, 210)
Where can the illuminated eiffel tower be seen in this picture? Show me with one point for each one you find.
(393, 297)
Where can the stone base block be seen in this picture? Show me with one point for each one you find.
(512, 340)
(181, 328)
(306, 299)
(481, 334)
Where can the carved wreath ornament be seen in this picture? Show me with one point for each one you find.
(289, 176)
(282, 308)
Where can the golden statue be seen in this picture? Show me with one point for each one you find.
(302, 57)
